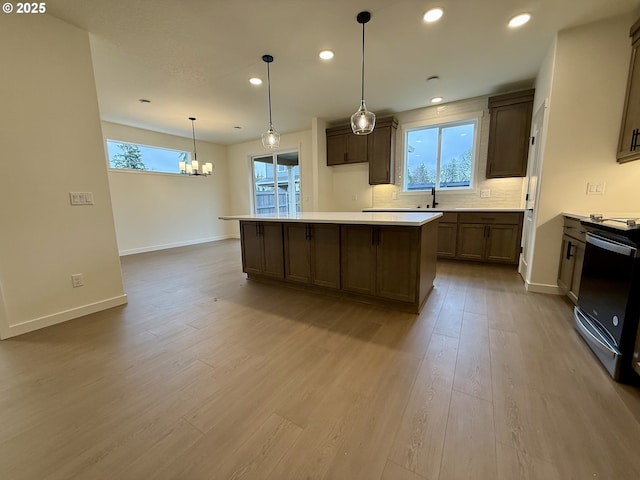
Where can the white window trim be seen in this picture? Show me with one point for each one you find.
(443, 120)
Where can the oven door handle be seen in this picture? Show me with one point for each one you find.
(611, 246)
(588, 329)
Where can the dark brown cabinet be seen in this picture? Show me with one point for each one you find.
(377, 148)
(489, 237)
(629, 140)
(509, 130)
(447, 235)
(381, 261)
(262, 249)
(312, 254)
(571, 258)
(344, 147)
(381, 147)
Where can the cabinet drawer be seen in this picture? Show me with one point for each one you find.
(449, 217)
(574, 229)
(503, 218)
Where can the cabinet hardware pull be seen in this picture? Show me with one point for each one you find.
(634, 140)
(344, 157)
(569, 247)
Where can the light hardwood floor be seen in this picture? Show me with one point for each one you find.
(205, 375)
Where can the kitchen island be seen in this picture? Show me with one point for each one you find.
(383, 258)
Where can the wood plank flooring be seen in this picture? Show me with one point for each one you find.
(205, 375)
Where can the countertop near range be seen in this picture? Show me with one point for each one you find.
(437, 209)
(397, 218)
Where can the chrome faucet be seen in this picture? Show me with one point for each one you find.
(433, 197)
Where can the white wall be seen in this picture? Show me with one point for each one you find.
(586, 101)
(238, 157)
(153, 211)
(51, 144)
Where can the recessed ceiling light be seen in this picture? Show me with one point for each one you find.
(437, 99)
(255, 81)
(433, 15)
(519, 20)
(326, 54)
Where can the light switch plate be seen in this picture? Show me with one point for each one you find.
(485, 193)
(81, 198)
(595, 188)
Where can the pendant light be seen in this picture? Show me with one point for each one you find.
(270, 138)
(363, 121)
(193, 167)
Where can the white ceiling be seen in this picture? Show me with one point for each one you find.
(194, 57)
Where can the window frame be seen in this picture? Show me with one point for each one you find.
(440, 122)
(138, 144)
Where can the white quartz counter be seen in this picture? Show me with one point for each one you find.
(398, 218)
(438, 209)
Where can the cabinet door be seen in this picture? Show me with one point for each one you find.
(358, 259)
(381, 152)
(567, 262)
(356, 148)
(509, 130)
(325, 255)
(297, 257)
(471, 241)
(577, 271)
(396, 262)
(629, 140)
(447, 234)
(336, 149)
(273, 249)
(503, 243)
(251, 247)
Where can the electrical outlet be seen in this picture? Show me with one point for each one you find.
(394, 195)
(485, 193)
(77, 280)
(354, 197)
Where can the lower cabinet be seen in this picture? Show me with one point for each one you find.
(262, 248)
(312, 254)
(571, 258)
(489, 237)
(381, 261)
(447, 235)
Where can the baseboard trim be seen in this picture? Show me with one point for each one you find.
(542, 288)
(153, 248)
(66, 315)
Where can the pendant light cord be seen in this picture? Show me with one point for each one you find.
(193, 131)
(362, 86)
(269, 91)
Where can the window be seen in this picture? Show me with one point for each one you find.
(441, 156)
(276, 183)
(131, 156)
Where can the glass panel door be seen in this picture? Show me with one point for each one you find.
(276, 183)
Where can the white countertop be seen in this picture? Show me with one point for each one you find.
(437, 209)
(399, 218)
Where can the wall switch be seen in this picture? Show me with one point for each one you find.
(485, 193)
(595, 188)
(77, 280)
(81, 198)
(354, 197)
(394, 195)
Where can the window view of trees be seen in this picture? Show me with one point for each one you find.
(440, 156)
(131, 156)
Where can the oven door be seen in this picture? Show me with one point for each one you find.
(605, 284)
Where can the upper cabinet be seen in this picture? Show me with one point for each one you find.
(377, 148)
(509, 130)
(629, 143)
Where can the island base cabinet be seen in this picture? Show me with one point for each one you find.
(262, 248)
(381, 261)
(312, 254)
